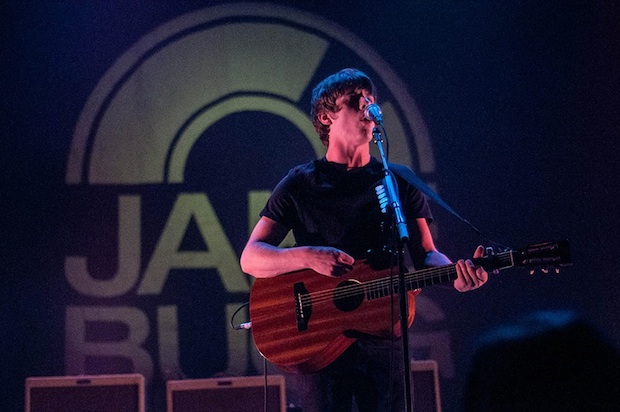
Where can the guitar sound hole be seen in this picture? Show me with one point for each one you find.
(348, 295)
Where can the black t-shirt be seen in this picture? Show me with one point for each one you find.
(324, 204)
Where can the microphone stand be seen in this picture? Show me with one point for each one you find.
(403, 237)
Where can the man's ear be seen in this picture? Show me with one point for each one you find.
(325, 119)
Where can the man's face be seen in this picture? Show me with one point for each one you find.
(349, 121)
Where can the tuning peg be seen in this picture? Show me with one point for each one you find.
(544, 269)
(532, 271)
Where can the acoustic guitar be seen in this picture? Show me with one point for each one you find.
(302, 321)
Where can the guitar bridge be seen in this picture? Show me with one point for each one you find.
(303, 306)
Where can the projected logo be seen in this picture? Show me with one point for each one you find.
(172, 158)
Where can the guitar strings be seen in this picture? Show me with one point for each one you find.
(382, 286)
(376, 285)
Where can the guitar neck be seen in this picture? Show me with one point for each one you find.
(434, 276)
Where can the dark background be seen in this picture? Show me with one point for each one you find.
(520, 99)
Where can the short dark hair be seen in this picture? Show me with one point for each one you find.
(325, 93)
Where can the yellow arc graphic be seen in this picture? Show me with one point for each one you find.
(126, 130)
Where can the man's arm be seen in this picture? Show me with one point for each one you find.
(262, 258)
(469, 276)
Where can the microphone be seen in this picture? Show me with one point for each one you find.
(373, 112)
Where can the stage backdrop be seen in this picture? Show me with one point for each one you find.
(143, 140)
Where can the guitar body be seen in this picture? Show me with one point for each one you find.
(303, 321)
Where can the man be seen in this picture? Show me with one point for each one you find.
(332, 208)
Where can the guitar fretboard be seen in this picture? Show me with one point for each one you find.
(418, 279)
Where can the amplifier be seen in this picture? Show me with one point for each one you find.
(103, 393)
(238, 394)
(425, 386)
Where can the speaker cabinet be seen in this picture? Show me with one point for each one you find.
(101, 393)
(425, 386)
(238, 394)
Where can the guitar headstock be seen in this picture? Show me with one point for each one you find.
(546, 256)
